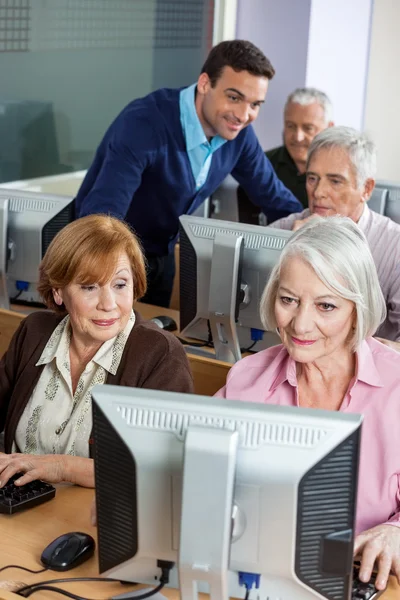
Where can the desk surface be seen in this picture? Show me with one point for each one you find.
(24, 536)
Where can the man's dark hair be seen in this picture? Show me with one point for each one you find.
(240, 55)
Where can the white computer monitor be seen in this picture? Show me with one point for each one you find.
(224, 267)
(28, 223)
(220, 487)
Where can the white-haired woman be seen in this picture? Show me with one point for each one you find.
(325, 300)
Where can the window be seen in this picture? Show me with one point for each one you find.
(68, 67)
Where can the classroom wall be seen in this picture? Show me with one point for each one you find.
(310, 43)
(338, 51)
(280, 29)
(383, 87)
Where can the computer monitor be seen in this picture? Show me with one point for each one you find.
(223, 487)
(392, 200)
(29, 221)
(224, 267)
(4, 302)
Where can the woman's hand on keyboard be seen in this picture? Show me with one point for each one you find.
(48, 467)
(380, 545)
(52, 468)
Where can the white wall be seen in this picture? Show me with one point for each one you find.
(338, 48)
(320, 43)
(383, 88)
(280, 29)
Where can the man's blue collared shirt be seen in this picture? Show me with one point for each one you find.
(199, 149)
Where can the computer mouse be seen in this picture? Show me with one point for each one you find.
(68, 551)
(165, 323)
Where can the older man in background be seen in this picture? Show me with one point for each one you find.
(340, 178)
(307, 112)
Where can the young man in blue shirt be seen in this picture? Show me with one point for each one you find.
(167, 152)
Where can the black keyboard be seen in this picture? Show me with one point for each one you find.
(364, 591)
(14, 498)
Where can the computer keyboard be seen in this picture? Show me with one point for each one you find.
(14, 498)
(364, 591)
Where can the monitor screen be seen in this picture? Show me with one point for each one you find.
(222, 488)
(224, 267)
(31, 220)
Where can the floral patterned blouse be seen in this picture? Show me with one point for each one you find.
(56, 420)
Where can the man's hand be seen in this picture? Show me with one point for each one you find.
(49, 467)
(393, 345)
(300, 222)
(380, 544)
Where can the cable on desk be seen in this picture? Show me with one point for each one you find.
(209, 343)
(17, 296)
(32, 586)
(51, 588)
(165, 566)
(23, 569)
(194, 344)
(29, 590)
(39, 587)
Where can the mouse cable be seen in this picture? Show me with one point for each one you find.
(32, 586)
(28, 590)
(51, 588)
(23, 568)
(56, 590)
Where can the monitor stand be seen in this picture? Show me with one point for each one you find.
(209, 467)
(224, 298)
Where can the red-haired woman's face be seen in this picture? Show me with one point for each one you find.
(99, 312)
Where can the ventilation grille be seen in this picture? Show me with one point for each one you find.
(187, 280)
(50, 230)
(115, 476)
(37, 205)
(252, 434)
(252, 241)
(394, 194)
(326, 504)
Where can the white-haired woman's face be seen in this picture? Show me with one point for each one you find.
(313, 322)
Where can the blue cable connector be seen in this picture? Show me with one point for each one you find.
(249, 580)
(256, 334)
(22, 286)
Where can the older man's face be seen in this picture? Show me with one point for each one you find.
(332, 185)
(302, 124)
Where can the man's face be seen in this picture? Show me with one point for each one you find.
(332, 185)
(232, 104)
(302, 123)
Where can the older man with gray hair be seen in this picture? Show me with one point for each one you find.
(340, 178)
(307, 112)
